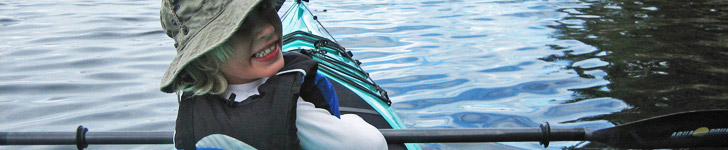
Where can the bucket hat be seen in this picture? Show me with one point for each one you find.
(198, 26)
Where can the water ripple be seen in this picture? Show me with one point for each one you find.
(113, 76)
(8, 21)
(469, 36)
(349, 30)
(438, 85)
(28, 53)
(485, 94)
(19, 88)
(88, 36)
(85, 63)
(373, 41)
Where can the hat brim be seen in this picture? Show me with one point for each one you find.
(216, 32)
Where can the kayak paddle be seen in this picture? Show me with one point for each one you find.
(708, 128)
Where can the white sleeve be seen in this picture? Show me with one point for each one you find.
(317, 129)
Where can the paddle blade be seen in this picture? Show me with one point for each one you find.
(689, 129)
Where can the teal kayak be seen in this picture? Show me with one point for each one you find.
(358, 93)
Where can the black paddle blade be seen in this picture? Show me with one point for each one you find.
(707, 128)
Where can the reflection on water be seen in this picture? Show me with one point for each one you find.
(661, 57)
(445, 63)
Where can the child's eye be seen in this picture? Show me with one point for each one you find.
(264, 7)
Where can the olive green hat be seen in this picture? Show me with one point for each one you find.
(198, 26)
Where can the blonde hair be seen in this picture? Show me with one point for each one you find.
(203, 75)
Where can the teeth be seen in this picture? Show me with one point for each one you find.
(265, 52)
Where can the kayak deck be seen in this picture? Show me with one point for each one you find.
(358, 93)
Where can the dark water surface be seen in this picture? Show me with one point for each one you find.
(446, 64)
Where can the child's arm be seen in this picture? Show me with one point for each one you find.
(316, 87)
(317, 129)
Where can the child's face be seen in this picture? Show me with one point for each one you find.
(256, 47)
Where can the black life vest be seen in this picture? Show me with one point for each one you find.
(265, 121)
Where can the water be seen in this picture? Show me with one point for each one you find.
(446, 64)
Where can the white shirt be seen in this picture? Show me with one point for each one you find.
(317, 128)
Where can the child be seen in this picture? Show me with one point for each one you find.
(237, 84)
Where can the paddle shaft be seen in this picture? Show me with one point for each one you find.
(69, 138)
(392, 136)
(82, 137)
(708, 128)
(483, 135)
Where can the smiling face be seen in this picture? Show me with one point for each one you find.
(256, 47)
